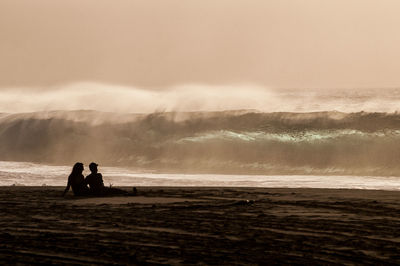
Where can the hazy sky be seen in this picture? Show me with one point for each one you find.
(158, 44)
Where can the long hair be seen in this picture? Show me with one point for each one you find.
(77, 169)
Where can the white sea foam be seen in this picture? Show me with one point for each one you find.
(30, 174)
(308, 136)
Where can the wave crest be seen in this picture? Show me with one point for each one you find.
(214, 142)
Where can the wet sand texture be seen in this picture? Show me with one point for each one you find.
(219, 226)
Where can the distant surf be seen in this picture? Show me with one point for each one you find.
(31, 174)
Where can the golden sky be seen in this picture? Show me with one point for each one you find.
(158, 44)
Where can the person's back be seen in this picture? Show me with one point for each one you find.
(95, 182)
(76, 181)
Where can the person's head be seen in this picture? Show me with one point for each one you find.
(78, 168)
(93, 167)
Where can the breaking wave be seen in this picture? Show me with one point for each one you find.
(234, 142)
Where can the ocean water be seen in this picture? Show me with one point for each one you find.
(245, 142)
(32, 174)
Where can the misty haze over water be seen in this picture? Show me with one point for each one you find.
(195, 97)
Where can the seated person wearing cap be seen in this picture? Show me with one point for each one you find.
(96, 184)
(95, 180)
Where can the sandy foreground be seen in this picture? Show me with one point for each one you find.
(231, 226)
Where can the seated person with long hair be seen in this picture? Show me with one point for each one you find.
(76, 181)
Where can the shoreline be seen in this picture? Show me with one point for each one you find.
(129, 188)
(23, 174)
(200, 225)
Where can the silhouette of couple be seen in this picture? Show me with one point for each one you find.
(79, 184)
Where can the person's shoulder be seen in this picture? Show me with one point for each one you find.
(71, 176)
(89, 176)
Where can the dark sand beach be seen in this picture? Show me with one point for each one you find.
(220, 226)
